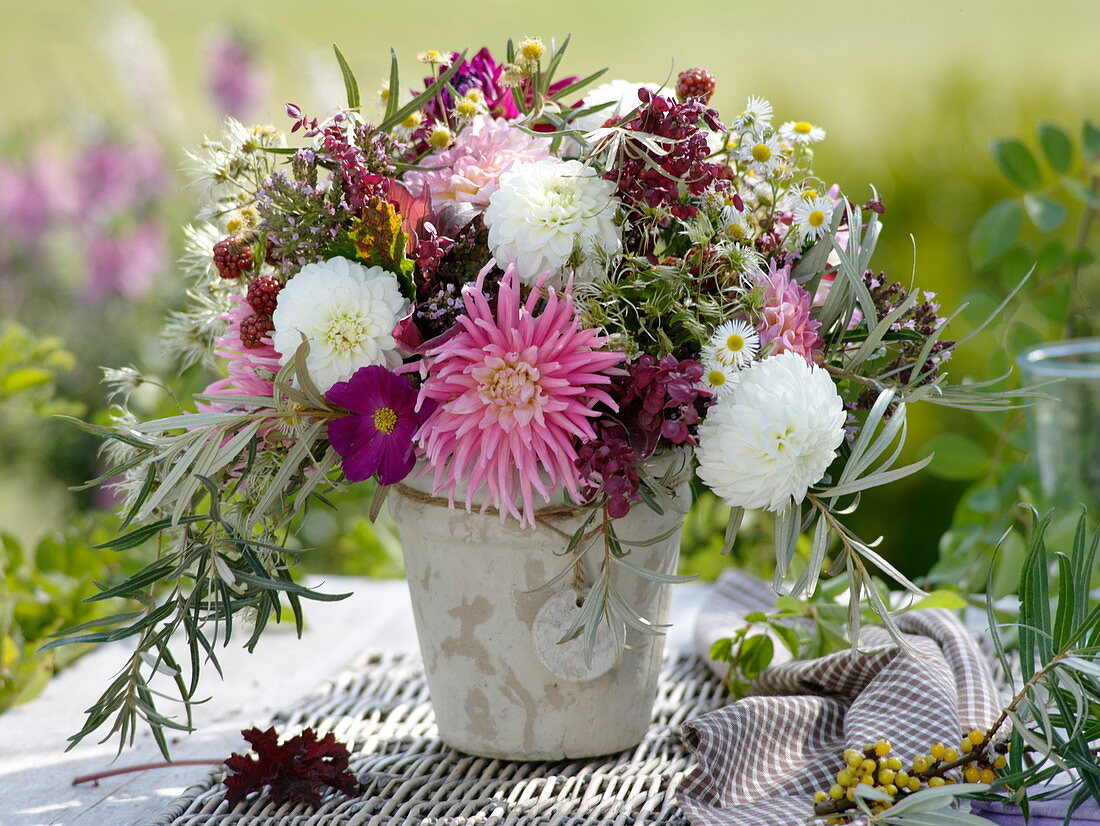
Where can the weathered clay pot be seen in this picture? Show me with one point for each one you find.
(477, 586)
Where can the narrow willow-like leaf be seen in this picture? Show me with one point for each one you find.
(351, 85)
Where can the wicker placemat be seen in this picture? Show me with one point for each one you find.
(380, 708)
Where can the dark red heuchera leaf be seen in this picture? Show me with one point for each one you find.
(295, 770)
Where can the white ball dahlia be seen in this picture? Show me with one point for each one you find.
(550, 214)
(764, 444)
(347, 313)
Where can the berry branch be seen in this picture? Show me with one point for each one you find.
(875, 766)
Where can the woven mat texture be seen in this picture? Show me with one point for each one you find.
(380, 708)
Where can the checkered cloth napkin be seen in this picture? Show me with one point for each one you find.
(760, 759)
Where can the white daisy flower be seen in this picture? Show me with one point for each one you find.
(549, 214)
(757, 114)
(811, 215)
(734, 344)
(735, 223)
(775, 435)
(801, 132)
(763, 154)
(720, 379)
(346, 311)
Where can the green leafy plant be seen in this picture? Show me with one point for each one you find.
(43, 589)
(1046, 740)
(1044, 229)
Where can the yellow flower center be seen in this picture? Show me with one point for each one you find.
(345, 333)
(532, 48)
(440, 138)
(809, 194)
(716, 378)
(762, 153)
(816, 219)
(736, 230)
(385, 420)
(735, 343)
(412, 121)
(803, 128)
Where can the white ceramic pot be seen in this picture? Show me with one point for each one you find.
(500, 683)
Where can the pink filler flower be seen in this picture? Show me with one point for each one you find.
(516, 392)
(470, 170)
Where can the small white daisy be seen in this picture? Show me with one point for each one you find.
(734, 223)
(720, 379)
(811, 215)
(734, 344)
(801, 132)
(763, 154)
(758, 113)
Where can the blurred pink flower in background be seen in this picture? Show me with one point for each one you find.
(234, 79)
(34, 195)
(112, 176)
(124, 263)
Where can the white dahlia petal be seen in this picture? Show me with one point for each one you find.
(548, 215)
(766, 442)
(346, 311)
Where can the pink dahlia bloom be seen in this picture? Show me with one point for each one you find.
(252, 370)
(516, 393)
(785, 318)
(470, 170)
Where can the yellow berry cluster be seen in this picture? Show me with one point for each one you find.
(975, 761)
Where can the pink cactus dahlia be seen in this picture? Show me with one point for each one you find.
(785, 318)
(516, 392)
(251, 369)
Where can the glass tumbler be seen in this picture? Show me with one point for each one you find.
(1064, 431)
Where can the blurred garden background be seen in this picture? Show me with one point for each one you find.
(101, 101)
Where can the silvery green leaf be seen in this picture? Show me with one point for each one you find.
(878, 479)
(653, 576)
(929, 799)
(874, 337)
(1084, 666)
(807, 582)
(1036, 742)
(787, 522)
(737, 515)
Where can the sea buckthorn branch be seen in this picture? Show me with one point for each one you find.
(978, 756)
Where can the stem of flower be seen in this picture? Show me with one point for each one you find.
(97, 776)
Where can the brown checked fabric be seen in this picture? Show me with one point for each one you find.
(760, 759)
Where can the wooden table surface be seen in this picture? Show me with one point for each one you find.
(36, 772)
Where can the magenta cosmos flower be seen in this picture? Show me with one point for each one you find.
(516, 392)
(377, 436)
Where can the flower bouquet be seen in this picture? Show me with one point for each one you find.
(529, 307)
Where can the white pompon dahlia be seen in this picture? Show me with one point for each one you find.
(347, 313)
(764, 444)
(549, 214)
